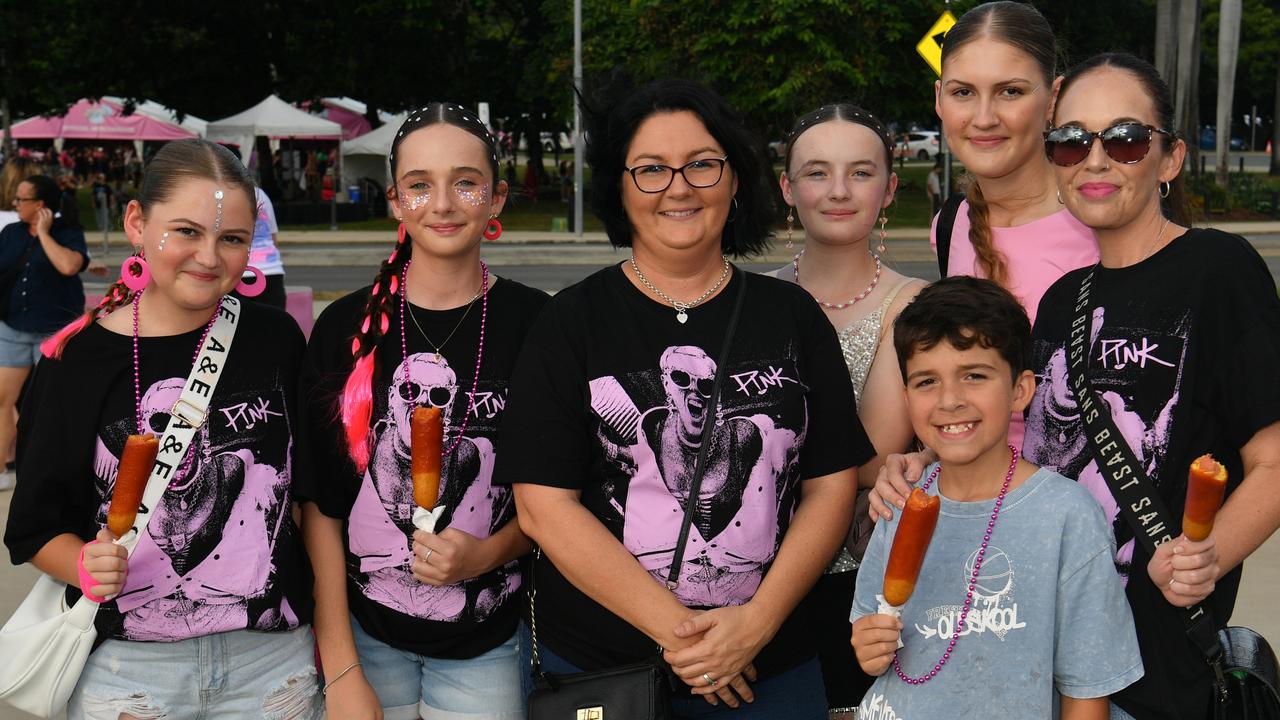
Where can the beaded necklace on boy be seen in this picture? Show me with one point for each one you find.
(404, 343)
(973, 578)
(875, 280)
(137, 377)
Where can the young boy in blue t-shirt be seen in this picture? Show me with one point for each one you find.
(1018, 606)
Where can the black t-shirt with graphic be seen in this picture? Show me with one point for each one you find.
(221, 552)
(1184, 350)
(470, 617)
(610, 398)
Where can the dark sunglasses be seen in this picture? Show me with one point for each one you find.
(412, 392)
(1126, 142)
(685, 381)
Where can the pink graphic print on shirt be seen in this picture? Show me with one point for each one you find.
(746, 497)
(1138, 373)
(380, 528)
(205, 564)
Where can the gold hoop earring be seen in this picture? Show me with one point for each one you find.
(883, 220)
(1165, 189)
(1060, 198)
(791, 219)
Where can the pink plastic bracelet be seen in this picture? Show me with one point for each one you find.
(86, 580)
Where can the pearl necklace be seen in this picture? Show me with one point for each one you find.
(973, 578)
(682, 308)
(404, 343)
(875, 280)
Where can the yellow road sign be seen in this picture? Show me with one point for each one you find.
(930, 46)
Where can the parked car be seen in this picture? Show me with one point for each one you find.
(777, 150)
(1209, 139)
(921, 145)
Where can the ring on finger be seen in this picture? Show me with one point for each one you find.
(710, 682)
(429, 551)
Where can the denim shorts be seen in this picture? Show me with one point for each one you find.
(411, 685)
(796, 694)
(19, 349)
(237, 674)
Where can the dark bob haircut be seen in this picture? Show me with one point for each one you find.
(964, 311)
(611, 127)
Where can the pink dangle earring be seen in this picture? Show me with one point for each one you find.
(255, 288)
(883, 220)
(493, 230)
(135, 273)
(791, 220)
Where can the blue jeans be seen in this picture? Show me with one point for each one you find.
(796, 694)
(238, 674)
(411, 685)
(19, 349)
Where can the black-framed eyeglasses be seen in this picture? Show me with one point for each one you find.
(22, 200)
(700, 173)
(1126, 142)
(685, 381)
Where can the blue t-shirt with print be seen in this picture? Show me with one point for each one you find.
(1049, 615)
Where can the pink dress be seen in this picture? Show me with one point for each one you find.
(1036, 255)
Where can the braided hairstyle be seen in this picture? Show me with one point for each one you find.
(356, 401)
(1023, 27)
(176, 162)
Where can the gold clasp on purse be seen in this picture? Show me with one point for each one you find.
(591, 713)
(182, 407)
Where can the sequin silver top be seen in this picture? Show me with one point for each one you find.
(859, 342)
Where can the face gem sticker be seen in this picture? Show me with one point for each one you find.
(217, 217)
(473, 195)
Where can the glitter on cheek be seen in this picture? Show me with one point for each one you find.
(476, 197)
(418, 201)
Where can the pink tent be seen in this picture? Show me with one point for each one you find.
(87, 120)
(353, 123)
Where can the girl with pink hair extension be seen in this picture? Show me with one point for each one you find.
(409, 602)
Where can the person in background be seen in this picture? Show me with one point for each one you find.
(933, 186)
(265, 256)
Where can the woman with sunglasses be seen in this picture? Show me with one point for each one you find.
(615, 393)
(414, 620)
(41, 257)
(1183, 346)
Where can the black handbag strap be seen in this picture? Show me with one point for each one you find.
(699, 468)
(1133, 491)
(700, 465)
(946, 223)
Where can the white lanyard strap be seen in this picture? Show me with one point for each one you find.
(188, 414)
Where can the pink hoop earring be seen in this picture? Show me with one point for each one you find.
(134, 273)
(401, 232)
(259, 283)
(493, 230)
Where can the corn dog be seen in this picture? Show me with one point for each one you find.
(136, 462)
(428, 437)
(919, 518)
(1206, 484)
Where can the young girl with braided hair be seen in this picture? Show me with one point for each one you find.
(418, 619)
(211, 608)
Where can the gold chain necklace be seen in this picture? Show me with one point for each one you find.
(437, 348)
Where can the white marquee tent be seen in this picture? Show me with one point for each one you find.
(155, 110)
(275, 119)
(366, 156)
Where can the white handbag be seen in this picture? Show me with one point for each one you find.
(44, 645)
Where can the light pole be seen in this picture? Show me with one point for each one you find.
(577, 118)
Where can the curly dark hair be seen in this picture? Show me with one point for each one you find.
(964, 311)
(611, 127)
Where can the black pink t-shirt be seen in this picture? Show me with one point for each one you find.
(469, 617)
(1184, 351)
(221, 552)
(610, 398)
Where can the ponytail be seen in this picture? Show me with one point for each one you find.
(118, 294)
(356, 403)
(990, 262)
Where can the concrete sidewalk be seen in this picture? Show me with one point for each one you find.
(1255, 607)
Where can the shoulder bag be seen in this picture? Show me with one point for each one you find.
(44, 645)
(640, 691)
(947, 223)
(1243, 664)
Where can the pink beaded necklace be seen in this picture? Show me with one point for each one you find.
(484, 316)
(875, 280)
(973, 578)
(137, 377)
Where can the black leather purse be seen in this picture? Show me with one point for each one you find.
(641, 691)
(1243, 664)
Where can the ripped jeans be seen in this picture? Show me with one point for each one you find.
(240, 674)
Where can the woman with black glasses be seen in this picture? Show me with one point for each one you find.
(623, 381)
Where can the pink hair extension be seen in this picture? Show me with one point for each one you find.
(53, 345)
(357, 410)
